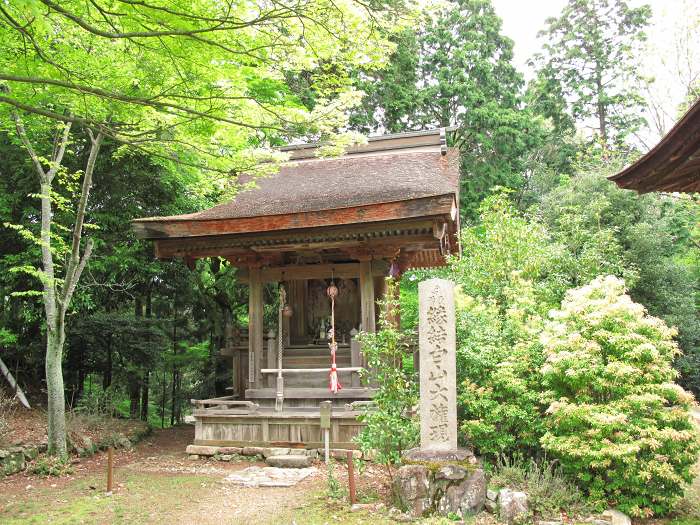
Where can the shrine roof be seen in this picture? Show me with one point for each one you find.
(398, 168)
(673, 165)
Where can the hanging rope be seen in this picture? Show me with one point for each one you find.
(333, 380)
(279, 396)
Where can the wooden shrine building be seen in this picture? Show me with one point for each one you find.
(391, 204)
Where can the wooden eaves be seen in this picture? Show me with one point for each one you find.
(673, 165)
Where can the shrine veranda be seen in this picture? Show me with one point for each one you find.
(378, 210)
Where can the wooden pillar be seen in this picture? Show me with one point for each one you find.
(367, 297)
(271, 357)
(355, 360)
(296, 297)
(255, 327)
(379, 295)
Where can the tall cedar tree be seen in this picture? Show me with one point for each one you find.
(456, 70)
(589, 71)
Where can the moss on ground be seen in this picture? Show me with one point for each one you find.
(139, 498)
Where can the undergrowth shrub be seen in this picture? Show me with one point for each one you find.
(508, 277)
(46, 465)
(549, 490)
(498, 362)
(7, 409)
(390, 427)
(616, 420)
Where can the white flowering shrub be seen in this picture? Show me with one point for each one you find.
(616, 420)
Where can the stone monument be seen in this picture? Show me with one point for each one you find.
(438, 381)
(439, 476)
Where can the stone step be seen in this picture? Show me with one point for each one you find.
(289, 461)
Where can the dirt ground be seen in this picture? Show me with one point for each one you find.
(157, 483)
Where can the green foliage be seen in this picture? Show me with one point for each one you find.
(46, 465)
(97, 403)
(616, 420)
(589, 71)
(334, 489)
(390, 427)
(649, 240)
(508, 278)
(549, 490)
(497, 366)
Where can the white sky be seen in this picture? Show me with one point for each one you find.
(673, 22)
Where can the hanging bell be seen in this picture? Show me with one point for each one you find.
(332, 290)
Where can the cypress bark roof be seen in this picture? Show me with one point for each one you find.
(342, 182)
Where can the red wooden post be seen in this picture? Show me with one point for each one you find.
(110, 454)
(351, 478)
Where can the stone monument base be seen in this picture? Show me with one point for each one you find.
(443, 482)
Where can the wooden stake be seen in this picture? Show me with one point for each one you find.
(110, 460)
(351, 478)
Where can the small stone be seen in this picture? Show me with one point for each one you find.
(358, 507)
(490, 506)
(617, 517)
(512, 506)
(492, 495)
(412, 485)
(289, 461)
(464, 498)
(542, 522)
(225, 457)
(193, 457)
(31, 453)
(451, 472)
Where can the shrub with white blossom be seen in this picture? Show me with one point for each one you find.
(616, 420)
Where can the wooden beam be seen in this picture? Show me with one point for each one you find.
(255, 326)
(314, 271)
(367, 296)
(168, 228)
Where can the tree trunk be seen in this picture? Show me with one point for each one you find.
(134, 395)
(601, 110)
(144, 396)
(107, 372)
(56, 398)
(162, 402)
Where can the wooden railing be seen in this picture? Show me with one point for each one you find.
(224, 405)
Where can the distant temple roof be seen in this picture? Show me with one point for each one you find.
(673, 165)
(396, 191)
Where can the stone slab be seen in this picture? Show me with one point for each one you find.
(270, 476)
(456, 455)
(289, 461)
(252, 451)
(201, 450)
